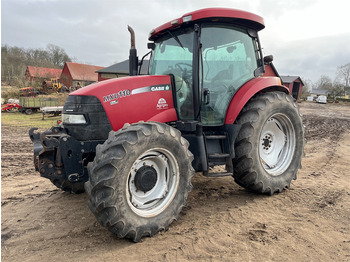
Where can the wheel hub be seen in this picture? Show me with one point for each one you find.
(145, 178)
(277, 143)
(153, 182)
(266, 142)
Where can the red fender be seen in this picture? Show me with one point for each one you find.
(247, 91)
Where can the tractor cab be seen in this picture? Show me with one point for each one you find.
(210, 58)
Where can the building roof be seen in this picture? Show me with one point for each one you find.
(83, 72)
(123, 68)
(44, 72)
(290, 79)
(319, 92)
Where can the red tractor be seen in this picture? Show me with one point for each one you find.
(205, 102)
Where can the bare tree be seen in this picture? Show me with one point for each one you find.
(336, 90)
(14, 61)
(324, 83)
(343, 76)
(333, 89)
(307, 88)
(57, 55)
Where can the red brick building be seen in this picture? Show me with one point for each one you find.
(74, 74)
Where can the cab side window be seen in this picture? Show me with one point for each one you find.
(228, 61)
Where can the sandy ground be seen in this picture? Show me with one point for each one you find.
(223, 222)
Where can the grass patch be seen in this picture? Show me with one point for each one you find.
(34, 120)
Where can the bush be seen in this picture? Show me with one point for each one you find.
(10, 93)
(343, 100)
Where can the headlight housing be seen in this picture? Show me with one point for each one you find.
(73, 119)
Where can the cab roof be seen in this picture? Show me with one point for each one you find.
(212, 15)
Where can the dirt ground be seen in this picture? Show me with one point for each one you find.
(223, 222)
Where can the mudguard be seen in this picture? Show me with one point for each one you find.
(248, 90)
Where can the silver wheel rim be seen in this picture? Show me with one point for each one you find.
(158, 198)
(277, 144)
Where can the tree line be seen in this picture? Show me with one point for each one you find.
(340, 86)
(14, 61)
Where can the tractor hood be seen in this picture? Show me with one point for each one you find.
(133, 99)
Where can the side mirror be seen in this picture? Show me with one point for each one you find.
(268, 59)
(151, 46)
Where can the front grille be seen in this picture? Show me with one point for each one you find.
(98, 125)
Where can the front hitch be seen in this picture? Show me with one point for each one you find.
(47, 153)
(58, 155)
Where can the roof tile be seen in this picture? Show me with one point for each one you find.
(44, 72)
(83, 72)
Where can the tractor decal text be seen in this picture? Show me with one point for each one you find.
(146, 89)
(115, 96)
(162, 104)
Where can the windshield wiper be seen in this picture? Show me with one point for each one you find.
(176, 39)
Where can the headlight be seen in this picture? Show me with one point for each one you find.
(73, 119)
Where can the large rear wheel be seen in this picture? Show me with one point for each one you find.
(269, 146)
(140, 179)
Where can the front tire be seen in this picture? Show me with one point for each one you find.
(139, 180)
(270, 144)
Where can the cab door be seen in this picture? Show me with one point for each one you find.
(229, 59)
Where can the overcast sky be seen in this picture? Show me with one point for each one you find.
(308, 38)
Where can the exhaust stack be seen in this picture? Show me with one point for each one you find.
(133, 59)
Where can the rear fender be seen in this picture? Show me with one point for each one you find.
(247, 91)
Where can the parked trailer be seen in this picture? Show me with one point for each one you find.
(51, 110)
(33, 104)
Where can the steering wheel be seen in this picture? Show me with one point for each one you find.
(186, 74)
(180, 66)
(182, 90)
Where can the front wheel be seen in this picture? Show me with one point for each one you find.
(140, 179)
(270, 144)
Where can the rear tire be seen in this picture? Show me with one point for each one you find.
(270, 144)
(139, 180)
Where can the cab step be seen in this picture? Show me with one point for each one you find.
(217, 174)
(219, 155)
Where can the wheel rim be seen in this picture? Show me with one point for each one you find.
(277, 144)
(153, 182)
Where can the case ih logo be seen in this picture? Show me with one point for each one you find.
(160, 88)
(162, 104)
